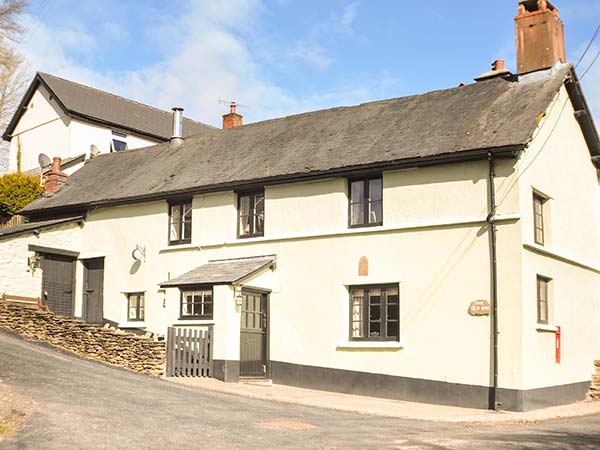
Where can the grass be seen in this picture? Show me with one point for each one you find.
(5, 430)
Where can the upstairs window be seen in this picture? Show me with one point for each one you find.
(366, 202)
(135, 307)
(197, 304)
(375, 313)
(251, 214)
(119, 143)
(180, 222)
(538, 217)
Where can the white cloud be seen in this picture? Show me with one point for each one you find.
(209, 58)
(349, 14)
(314, 55)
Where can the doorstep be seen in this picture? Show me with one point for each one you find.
(383, 407)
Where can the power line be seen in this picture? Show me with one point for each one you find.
(588, 46)
(590, 66)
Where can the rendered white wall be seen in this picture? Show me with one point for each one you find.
(557, 163)
(15, 276)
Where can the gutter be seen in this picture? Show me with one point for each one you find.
(511, 151)
(491, 220)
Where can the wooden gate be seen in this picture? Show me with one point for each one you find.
(189, 352)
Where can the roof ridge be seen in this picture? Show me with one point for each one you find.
(372, 102)
(136, 102)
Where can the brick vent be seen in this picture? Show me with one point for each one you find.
(138, 353)
(594, 392)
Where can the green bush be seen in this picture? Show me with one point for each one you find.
(16, 191)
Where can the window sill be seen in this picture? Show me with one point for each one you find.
(174, 248)
(543, 327)
(374, 345)
(194, 322)
(139, 324)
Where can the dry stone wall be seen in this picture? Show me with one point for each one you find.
(139, 353)
(595, 387)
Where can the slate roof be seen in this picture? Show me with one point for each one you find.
(37, 226)
(224, 271)
(110, 109)
(488, 115)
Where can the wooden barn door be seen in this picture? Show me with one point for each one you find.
(57, 283)
(254, 334)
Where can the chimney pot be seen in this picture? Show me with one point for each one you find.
(498, 65)
(56, 164)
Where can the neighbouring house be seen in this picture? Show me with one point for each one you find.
(440, 248)
(58, 117)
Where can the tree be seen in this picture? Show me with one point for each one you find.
(16, 191)
(13, 79)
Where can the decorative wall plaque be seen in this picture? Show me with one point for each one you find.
(480, 308)
(363, 267)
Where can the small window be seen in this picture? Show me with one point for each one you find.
(197, 304)
(119, 143)
(375, 313)
(251, 214)
(366, 202)
(180, 222)
(538, 218)
(135, 307)
(543, 285)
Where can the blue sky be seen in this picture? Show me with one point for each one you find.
(280, 57)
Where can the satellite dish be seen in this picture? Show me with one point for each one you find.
(44, 160)
(94, 151)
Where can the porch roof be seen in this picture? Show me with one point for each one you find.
(222, 271)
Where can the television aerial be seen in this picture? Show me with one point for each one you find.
(232, 105)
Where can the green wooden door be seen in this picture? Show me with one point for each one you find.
(254, 334)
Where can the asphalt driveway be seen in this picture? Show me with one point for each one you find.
(87, 405)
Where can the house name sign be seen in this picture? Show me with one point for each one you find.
(480, 308)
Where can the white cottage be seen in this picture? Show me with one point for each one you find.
(431, 248)
(62, 118)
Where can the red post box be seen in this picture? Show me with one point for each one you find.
(557, 340)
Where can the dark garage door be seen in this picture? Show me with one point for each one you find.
(57, 283)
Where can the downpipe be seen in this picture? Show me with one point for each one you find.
(491, 220)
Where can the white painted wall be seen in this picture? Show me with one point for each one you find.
(16, 278)
(557, 163)
(45, 128)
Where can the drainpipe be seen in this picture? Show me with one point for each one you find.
(491, 220)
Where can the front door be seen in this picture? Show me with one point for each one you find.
(58, 273)
(93, 290)
(254, 334)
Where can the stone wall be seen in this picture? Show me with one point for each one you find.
(595, 387)
(139, 353)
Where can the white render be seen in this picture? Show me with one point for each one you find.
(46, 128)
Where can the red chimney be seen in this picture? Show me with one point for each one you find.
(233, 119)
(54, 179)
(540, 36)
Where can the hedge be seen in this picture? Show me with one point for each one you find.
(17, 191)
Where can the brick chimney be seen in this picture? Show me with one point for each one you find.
(540, 36)
(233, 119)
(54, 179)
